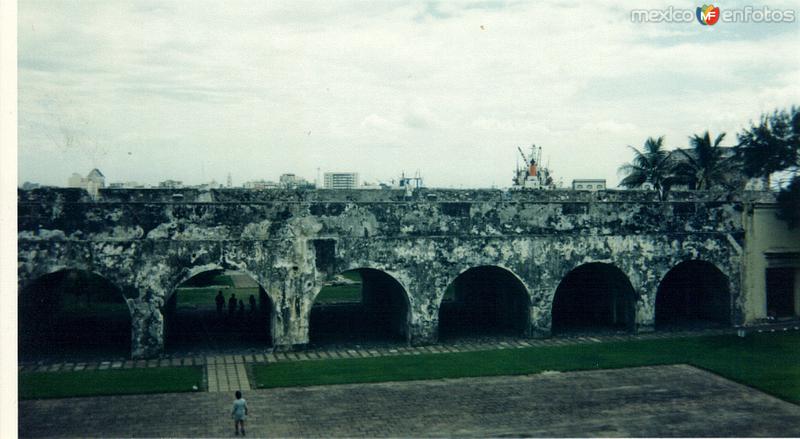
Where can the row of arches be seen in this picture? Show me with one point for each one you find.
(74, 311)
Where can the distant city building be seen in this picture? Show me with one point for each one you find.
(210, 185)
(76, 180)
(589, 184)
(374, 186)
(341, 180)
(91, 183)
(126, 185)
(260, 184)
(291, 181)
(27, 186)
(170, 184)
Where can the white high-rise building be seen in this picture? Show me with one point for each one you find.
(341, 180)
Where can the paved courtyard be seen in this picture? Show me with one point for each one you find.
(648, 401)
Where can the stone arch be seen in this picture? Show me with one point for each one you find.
(485, 300)
(45, 262)
(594, 296)
(694, 293)
(194, 322)
(73, 311)
(360, 304)
(186, 272)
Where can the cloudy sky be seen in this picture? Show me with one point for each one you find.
(194, 90)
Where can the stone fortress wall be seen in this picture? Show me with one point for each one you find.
(147, 242)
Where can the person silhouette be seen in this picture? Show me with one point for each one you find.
(241, 310)
(252, 301)
(232, 305)
(220, 299)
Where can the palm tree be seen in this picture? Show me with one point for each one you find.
(706, 165)
(651, 166)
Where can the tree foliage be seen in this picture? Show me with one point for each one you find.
(648, 166)
(771, 146)
(789, 203)
(705, 166)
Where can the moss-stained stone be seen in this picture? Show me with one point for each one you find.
(292, 242)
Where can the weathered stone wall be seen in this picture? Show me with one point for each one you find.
(292, 242)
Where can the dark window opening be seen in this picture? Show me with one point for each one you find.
(780, 292)
(325, 252)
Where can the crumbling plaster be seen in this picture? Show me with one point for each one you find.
(147, 242)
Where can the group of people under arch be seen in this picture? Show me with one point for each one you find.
(235, 307)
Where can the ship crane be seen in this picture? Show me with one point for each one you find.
(532, 163)
(524, 159)
(533, 175)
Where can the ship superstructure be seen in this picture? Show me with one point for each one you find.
(533, 175)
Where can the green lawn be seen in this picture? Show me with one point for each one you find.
(352, 275)
(340, 294)
(34, 385)
(224, 280)
(350, 293)
(770, 362)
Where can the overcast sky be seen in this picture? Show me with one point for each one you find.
(193, 90)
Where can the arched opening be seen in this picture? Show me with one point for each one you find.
(362, 305)
(693, 295)
(594, 297)
(483, 301)
(218, 310)
(73, 314)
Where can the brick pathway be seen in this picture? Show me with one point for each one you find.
(648, 401)
(226, 374)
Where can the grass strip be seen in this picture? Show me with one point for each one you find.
(339, 294)
(36, 385)
(769, 362)
(223, 279)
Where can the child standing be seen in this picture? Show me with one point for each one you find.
(239, 412)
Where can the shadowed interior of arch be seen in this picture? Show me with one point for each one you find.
(73, 313)
(693, 295)
(593, 297)
(362, 305)
(194, 323)
(484, 300)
